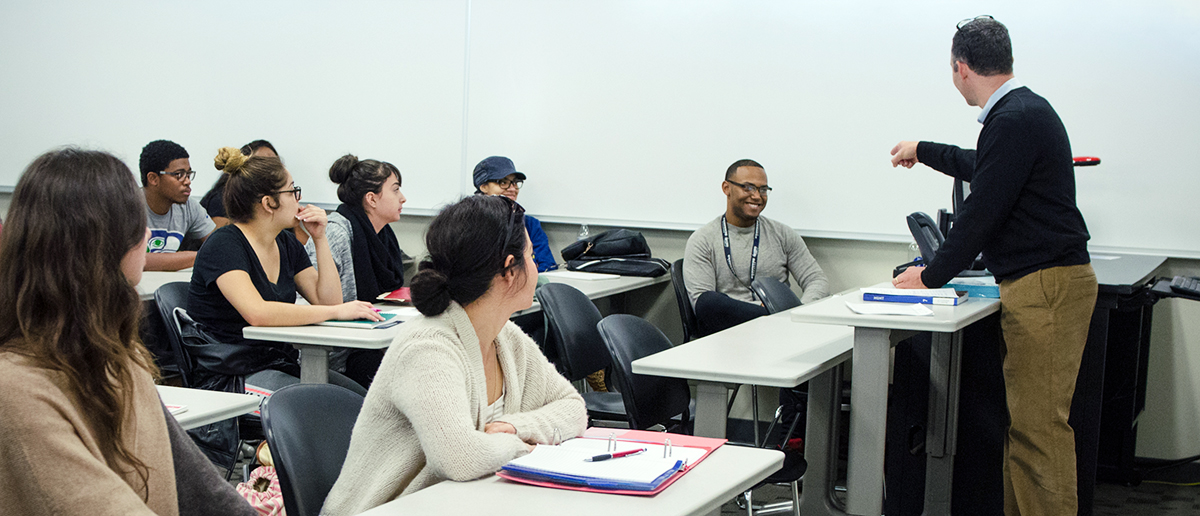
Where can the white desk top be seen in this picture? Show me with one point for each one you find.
(769, 350)
(377, 339)
(206, 407)
(726, 472)
(151, 280)
(946, 319)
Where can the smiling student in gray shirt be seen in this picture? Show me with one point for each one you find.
(718, 276)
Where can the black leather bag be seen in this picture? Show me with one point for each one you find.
(618, 251)
(616, 242)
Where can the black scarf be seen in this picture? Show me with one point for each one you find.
(377, 265)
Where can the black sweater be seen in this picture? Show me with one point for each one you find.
(1021, 212)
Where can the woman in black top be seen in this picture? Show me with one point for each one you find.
(250, 273)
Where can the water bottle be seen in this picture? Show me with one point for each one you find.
(583, 232)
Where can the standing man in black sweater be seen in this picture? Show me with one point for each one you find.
(1022, 215)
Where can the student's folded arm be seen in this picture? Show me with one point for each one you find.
(431, 390)
(170, 261)
(236, 286)
(48, 469)
(549, 403)
(806, 270)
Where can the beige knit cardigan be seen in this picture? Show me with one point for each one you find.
(423, 418)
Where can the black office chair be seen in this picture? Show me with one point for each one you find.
(649, 400)
(169, 297)
(687, 313)
(572, 319)
(172, 299)
(308, 428)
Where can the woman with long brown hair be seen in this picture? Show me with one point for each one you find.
(82, 429)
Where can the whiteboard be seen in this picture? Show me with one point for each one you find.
(381, 80)
(623, 112)
(631, 110)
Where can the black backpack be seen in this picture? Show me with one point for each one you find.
(618, 251)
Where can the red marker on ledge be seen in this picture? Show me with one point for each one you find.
(616, 455)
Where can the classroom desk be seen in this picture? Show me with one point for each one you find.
(315, 342)
(727, 472)
(206, 407)
(151, 280)
(771, 351)
(874, 337)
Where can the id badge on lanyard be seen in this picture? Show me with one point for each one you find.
(729, 254)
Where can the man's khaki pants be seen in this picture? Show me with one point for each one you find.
(1044, 317)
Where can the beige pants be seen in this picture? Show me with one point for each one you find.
(1044, 317)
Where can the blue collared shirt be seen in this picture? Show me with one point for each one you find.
(1008, 86)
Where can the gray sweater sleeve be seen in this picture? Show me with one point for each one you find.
(338, 232)
(804, 268)
(699, 272)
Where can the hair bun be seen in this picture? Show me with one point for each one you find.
(430, 290)
(343, 168)
(230, 160)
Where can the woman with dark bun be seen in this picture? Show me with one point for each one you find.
(461, 390)
(251, 272)
(214, 201)
(82, 429)
(364, 247)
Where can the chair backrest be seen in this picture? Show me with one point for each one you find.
(169, 297)
(572, 319)
(687, 313)
(776, 296)
(649, 400)
(308, 428)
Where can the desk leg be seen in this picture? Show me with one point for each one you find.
(314, 364)
(821, 444)
(710, 409)
(868, 427)
(945, 361)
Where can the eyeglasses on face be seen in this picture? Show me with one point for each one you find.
(505, 183)
(294, 191)
(763, 190)
(180, 174)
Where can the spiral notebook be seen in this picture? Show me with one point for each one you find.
(563, 466)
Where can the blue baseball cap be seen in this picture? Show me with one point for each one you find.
(493, 168)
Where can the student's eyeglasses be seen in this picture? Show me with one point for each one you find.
(294, 191)
(180, 174)
(763, 190)
(505, 183)
(515, 211)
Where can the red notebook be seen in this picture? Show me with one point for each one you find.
(400, 295)
(690, 448)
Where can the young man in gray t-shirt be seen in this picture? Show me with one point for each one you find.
(718, 277)
(171, 214)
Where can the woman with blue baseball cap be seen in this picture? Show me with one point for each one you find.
(496, 175)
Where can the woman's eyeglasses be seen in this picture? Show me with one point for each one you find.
(505, 183)
(294, 191)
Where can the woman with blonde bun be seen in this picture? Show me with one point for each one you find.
(248, 273)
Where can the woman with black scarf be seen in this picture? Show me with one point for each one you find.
(364, 248)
